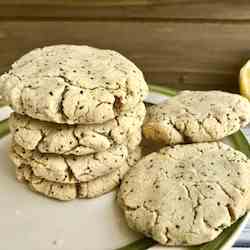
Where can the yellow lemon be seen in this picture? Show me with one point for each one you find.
(244, 79)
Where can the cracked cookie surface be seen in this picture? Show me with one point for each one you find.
(73, 84)
(80, 139)
(70, 168)
(65, 192)
(186, 194)
(196, 116)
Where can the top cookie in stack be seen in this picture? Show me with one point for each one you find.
(78, 114)
(73, 84)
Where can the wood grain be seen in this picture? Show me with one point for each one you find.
(187, 44)
(126, 9)
(183, 55)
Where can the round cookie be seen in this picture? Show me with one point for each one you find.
(70, 168)
(47, 137)
(94, 188)
(196, 116)
(63, 192)
(73, 84)
(186, 194)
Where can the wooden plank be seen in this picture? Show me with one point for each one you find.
(97, 2)
(194, 80)
(127, 9)
(183, 55)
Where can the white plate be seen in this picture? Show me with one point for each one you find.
(29, 221)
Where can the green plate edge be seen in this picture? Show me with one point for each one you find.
(2, 102)
(162, 90)
(4, 128)
(240, 143)
(141, 244)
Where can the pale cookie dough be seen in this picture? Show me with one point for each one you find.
(73, 84)
(186, 194)
(94, 188)
(70, 169)
(49, 137)
(197, 116)
(63, 192)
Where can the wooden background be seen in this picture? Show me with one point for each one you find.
(186, 44)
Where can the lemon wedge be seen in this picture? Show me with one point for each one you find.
(244, 80)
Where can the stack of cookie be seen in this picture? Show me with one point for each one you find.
(77, 121)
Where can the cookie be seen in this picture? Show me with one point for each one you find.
(70, 169)
(186, 194)
(47, 137)
(94, 188)
(196, 116)
(63, 192)
(73, 84)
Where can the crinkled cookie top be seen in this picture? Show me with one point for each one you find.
(48, 137)
(70, 168)
(69, 191)
(73, 84)
(186, 194)
(197, 116)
